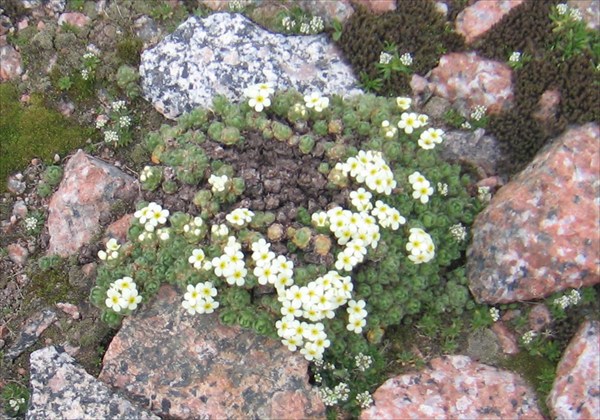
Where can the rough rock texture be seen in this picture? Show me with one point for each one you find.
(539, 234)
(473, 148)
(212, 371)
(87, 191)
(478, 18)
(328, 10)
(379, 6)
(506, 338)
(576, 390)
(78, 20)
(454, 387)
(225, 53)
(32, 330)
(10, 63)
(63, 390)
(17, 254)
(590, 9)
(474, 80)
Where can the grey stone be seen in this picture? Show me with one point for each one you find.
(34, 327)
(474, 148)
(63, 390)
(225, 53)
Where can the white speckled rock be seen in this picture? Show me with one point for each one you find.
(224, 53)
(576, 393)
(63, 390)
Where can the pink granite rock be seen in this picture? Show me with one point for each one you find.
(186, 366)
(475, 80)
(590, 10)
(539, 317)
(547, 107)
(328, 10)
(10, 63)
(379, 6)
(119, 229)
(576, 390)
(17, 254)
(506, 338)
(74, 19)
(88, 189)
(539, 234)
(454, 387)
(478, 18)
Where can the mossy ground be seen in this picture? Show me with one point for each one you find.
(32, 130)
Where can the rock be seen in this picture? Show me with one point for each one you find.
(62, 389)
(225, 53)
(483, 345)
(475, 80)
(454, 387)
(33, 329)
(539, 234)
(10, 63)
(379, 6)
(76, 19)
(328, 10)
(220, 371)
(147, 30)
(478, 18)
(17, 254)
(20, 209)
(506, 338)
(69, 309)
(88, 189)
(15, 184)
(473, 148)
(575, 393)
(539, 317)
(547, 108)
(119, 229)
(590, 10)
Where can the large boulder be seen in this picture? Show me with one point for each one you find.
(454, 387)
(576, 390)
(476, 19)
(224, 53)
(474, 81)
(539, 234)
(60, 389)
(188, 366)
(88, 190)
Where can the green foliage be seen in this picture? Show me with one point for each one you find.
(65, 83)
(127, 79)
(128, 51)
(14, 399)
(28, 131)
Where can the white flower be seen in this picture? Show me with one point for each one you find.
(406, 59)
(132, 298)
(356, 325)
(430, 137)
(422, 191)
(258, 97)
(562, 8)
(408, 122)
(361, 199)
(217, 182)
(364, 399)
(478, 112)
(495, 314)
(240, 217)
(403, 103)
(442, 188)
(118, 106)
(319, 219)
(197, 258)
(111, 136)
(125, 121)
(458, 231)
(219, 230)
(115, 300)
(575, 14)
(316, 101)
(515, 57)
(483, 194)
(528, 337)
(385, 58)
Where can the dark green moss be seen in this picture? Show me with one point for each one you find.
(32, 130)
(416, 27)
(129, 50)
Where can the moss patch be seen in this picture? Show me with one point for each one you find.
(29, 131)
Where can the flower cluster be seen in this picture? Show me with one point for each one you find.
(238, 5)
(219, 231)
(420, 245)
(430, 137)
(116, 125)
(194, 227)
(363, 362)
(259, 96)
(406, 59)
(331, 397)
(515, 57)
(152, 216)
(370, 168)
(458, 231)
(495, 314)
(570, 299)
(422, 188)
(15, 404)
(571, 13)
(89, 64)
(230, 265)
(199, 299)
(364, 399)
(304, 26)
(240, 217)
(442, 188)
(388, 130)
(112, 250)
(528, 337)
(356, 316)
(218, 183)
(30, 224)
(484, 194)
(478, 112)
(316, 101)
(385, 57)
(123, 295)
